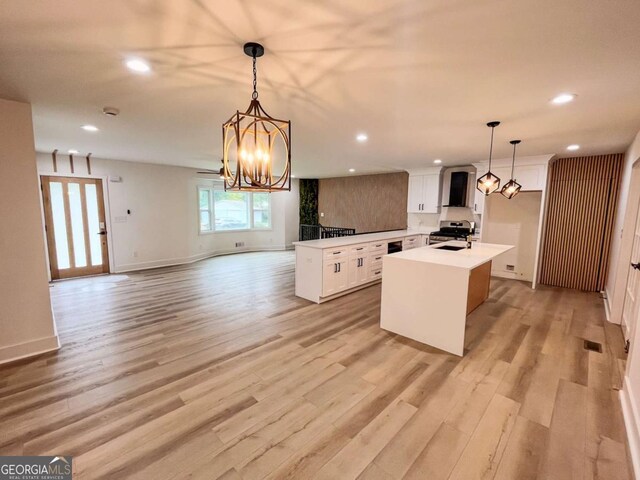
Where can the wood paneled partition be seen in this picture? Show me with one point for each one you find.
(368, 203)
(582, 198)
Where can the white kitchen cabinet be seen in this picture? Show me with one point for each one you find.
(335, 276)
(531, 177)
(411, 242)
(424, 193)
(358, 270)
(329, 268)
(416, 194)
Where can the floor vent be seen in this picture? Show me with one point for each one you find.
(593, 346)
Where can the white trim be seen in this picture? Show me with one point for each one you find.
(11, 353)
(607, 307)
(632, 424)
(169, 262)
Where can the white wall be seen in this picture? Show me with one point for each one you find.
(26, 320)
(162, 228)
(513, 222)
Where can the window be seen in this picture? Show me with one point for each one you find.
(226, 211)
(231, 210)
(206, 213)
(261, 210)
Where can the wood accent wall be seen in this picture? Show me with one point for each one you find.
(582, 198)
(368, 203)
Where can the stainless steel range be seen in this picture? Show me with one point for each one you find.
(452, 230)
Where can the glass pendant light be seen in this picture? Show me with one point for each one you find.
(489, 183)
(512, 188)
(256, 147)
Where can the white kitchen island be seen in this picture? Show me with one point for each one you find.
(332, 267)
(428, 292)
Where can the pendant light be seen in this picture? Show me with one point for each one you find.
(512, 188)
(489, 183)
(256, 147)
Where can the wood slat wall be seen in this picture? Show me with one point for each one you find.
(582, 198)
(368, 203)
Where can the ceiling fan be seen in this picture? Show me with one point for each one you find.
(207, 171)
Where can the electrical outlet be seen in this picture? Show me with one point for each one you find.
(322, 214)
(239, 244)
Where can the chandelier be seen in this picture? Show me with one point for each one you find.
(256, 146)
(489, 182)
(512, 188)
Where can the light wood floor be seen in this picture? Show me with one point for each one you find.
(216, 370)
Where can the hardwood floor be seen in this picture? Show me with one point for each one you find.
(216, 370)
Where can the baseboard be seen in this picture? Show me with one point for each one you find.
(11, 353)
(134, 267)
(632, 424)
(607, 307)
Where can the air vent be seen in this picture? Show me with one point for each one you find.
(593, 346)
(511, 268)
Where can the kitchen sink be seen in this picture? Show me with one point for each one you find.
(453, 248)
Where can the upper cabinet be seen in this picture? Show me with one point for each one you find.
(531, 177)
(424, 192)
(530, 172)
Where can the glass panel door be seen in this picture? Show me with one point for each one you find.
(75, 224)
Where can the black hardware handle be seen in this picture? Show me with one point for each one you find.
(335, 268)
(338, 267)
(102, 232)
(636, 265)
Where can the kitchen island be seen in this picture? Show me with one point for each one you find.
(331, 267)
(428, 292)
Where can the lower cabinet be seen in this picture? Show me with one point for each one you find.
(358, 274)
(335, 276)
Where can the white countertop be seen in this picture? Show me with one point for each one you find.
(363, 238)
(468, 258)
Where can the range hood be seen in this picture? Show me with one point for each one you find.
(457, 214)
(458, 189)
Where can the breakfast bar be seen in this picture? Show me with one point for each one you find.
(428, 292)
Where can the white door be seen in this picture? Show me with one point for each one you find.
(631, 304)
(342, 275)
(416, 194)
(363, 270)
(329, 278)
(431, 193)
(354, 264)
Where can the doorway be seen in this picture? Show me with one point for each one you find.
(631, 307)
(75, 224)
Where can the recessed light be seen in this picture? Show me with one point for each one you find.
(563, 98)
(362, 137)
(73, 152)
(90, 128)
(351, 170)
(437, 160)
(138, 65)
(573, 147)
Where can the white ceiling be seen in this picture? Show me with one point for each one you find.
(420, 77)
